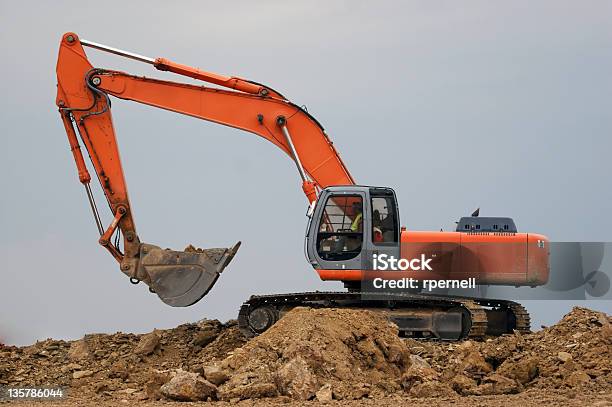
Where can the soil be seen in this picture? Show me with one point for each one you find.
(323, 356)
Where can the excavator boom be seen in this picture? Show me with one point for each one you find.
(178, 278)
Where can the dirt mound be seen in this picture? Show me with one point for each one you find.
(320, 354)
(576, 353)
(120, 364)
(353, 353)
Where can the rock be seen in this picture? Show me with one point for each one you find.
(249, 391)
(70, 367)
(463, 384)
(82, 373)
(500, 349)
(186, 386)
(564, 357)
(419, 371)
(396, 353)
(498, 384)
(79, 351)
(577, 378)
(465, 346)
(205, 337)
(53, 345)
(215, 375)
(148, 344)
(127, 391)
(119, 370)
(325, 393)
(417, 374)
(419, 362)
(431, 389)
(523, 370)
(156, 379)
(474, 364)
(296, 380)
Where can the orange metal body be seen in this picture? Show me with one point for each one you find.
(491, 258)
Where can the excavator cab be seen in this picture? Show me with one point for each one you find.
(350, 225)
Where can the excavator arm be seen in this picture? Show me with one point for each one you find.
(179, 278)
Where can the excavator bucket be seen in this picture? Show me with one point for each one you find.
(182, 278)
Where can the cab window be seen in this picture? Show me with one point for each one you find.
(340, 234)
(384, 220)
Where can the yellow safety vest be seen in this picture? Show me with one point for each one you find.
(356, 221)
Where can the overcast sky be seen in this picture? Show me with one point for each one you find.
(456, 105)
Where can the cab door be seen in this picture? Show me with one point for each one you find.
(383, 226)
(336, 234)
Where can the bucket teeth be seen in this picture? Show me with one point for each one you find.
(182, 278)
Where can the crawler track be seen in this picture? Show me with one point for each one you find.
(417, 315)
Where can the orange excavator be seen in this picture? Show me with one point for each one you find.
(354, 233)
